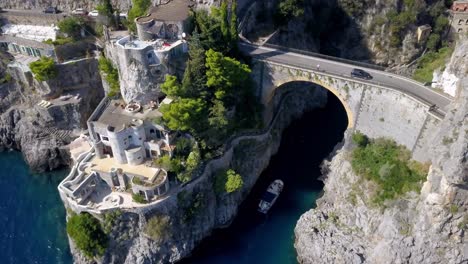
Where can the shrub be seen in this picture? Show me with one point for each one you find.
(169, 164)
(227, 182)
(360, 139)
(109, 220)
(389, 166)
(138, 198)
(59, 41)
(157, 227)
(44, 69)
(6, 78)
(193, 159)
(87, 234)
(183, 147)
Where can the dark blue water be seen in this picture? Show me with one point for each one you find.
(256, 239)
(32, 217)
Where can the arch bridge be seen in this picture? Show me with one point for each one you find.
(387, 105)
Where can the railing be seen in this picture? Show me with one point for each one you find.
(327, 57)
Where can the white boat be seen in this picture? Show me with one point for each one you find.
(270, 196)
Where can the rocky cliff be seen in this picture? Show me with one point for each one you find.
(193, 211)
(40, 132)
(429, 227)
(382, 32)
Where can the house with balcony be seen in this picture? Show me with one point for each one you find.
(124, 141)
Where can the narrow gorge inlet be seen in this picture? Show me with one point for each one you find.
(254, 238)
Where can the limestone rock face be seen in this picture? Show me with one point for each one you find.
(42, 133)
(357, 30)
(449, 78)
(190, 223)
(429, 227)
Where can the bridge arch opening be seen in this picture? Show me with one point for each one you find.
(315, 85)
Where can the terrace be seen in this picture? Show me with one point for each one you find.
(105, 165)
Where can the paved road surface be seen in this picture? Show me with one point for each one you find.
(382, 78)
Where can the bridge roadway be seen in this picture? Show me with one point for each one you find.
(382, 78)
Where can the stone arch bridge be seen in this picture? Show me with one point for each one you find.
(388, 105)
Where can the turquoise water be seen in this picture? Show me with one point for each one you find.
(32, 217)
(253, 238)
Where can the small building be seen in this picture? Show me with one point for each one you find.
(165, 21)
(423, 33)
(459, 17)
(460, 6)
(28, 40)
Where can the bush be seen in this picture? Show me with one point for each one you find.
(360, 139)
(109, 220)
(169, 164)
(138, 198)
(227, 182)
(389, 166)
(87, 234)
(44, 69)
(112, 76)
(59, 41)
(157, 227)
(6, 78)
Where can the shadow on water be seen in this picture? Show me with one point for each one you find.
(253, 238)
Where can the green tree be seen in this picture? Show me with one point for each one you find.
(184, 114)
(44, 69)
(193, 159)
(217, 117)
(433, 41)
(224, 74)
(194, 81)
(172, 86)
(87, 234)
(71, 26)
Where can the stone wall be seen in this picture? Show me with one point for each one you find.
(373, 110)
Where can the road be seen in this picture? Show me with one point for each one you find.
(382, 78)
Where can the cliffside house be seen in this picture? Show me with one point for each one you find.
(125, 140)
(28, 39)
(158, 46)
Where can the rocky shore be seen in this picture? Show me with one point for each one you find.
(41, 133)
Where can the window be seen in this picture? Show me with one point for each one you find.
(105, 138)
(152, 131)
(130, 137)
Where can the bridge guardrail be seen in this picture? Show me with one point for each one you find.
(435, 111)
(327, 57)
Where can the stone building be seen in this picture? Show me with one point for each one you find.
(125, 140)
(459, 17)
(158, 49)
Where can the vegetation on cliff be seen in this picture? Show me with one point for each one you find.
(388, 165)
(227, 181)
(430, 62)
(111, 76)
(44, 69)
(86, 232)
(157, 227)
(215, 97)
